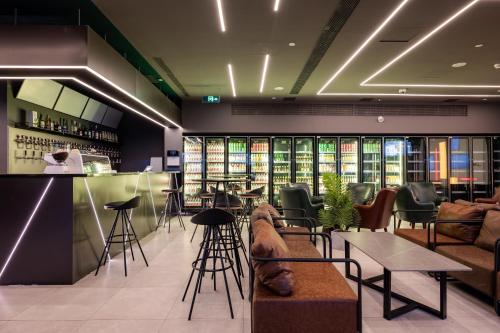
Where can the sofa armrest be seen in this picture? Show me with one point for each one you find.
(497, 255)
(317, 260)
(485, 200)
(307, 220)
(282, 210)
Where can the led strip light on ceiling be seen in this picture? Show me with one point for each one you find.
(26, 226)
(100, 76)
(231, 79)
(407, 95)
(363, 46)
(420, 41)
(221, 16)
(276, 5)
(264, 73)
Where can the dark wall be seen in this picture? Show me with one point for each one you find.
(218, 118)
(140, 140)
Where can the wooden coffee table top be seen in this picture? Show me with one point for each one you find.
(398, 254)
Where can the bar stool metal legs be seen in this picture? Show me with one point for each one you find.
(171, 203)
(127, 234)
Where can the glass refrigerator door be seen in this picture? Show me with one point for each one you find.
(394, 168)
(304, 164)
(438, 165)
(460, 169)
(415, 160)
(237, 158)
(372, 160)
(496, 161)
(480, 168)
(282, 168)
(349, 164)
(327, 159)
(259, 164)
(215, 158)
(193, 152)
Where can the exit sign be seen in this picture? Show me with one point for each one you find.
(211, 99)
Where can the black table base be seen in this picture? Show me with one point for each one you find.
(411, 305)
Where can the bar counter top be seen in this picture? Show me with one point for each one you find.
(61, 175)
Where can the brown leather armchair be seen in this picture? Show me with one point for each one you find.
(493, 200)
(378, 214)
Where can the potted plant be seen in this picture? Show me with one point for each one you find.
(339, 213)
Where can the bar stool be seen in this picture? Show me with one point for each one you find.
(213, 250)
(205, 197)
(126, 237)
(171, 200)
(250, 198)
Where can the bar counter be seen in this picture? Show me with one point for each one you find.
(53, 227)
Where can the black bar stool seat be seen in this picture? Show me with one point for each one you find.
(127, 234)
(213, 252)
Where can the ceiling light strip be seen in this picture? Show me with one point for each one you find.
(221, 16)
(276, 5)
(26, 226)
(417, 85)
(408, 95)
(421, 40)
(264, 73)
(365, 43)
(231, 79)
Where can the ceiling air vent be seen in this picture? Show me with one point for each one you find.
(451, 100)
(289, 99)
(367, 99)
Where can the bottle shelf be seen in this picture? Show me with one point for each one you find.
(68, 135)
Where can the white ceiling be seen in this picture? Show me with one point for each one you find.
(186, 36)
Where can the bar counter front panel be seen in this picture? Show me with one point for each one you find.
(53, 227)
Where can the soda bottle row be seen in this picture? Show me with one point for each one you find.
(192, 167)
(237, 147)
(371, 147)
(237, 167)
(281, 180)
(215, 157)
(346, 179)
(327, 147)
(349, 147)
(262, 147)
(281, 168)
(259, 157)
(349, 158)
(215, 146)
(190, 147)
(237, 158)
(215, 167)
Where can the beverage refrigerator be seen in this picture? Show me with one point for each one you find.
(480, 168)
(327, 159)
(371, 161)
(304, 161)
(237, 157)
(260, 165)
(282, 166)
(460, 169)
(394, 162)
(349, 160)
(215, 158)
(415, 159)
(193, 163)
(438, 164)
(496, 161)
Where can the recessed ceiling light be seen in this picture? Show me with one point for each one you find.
(231, 78)
(279, 88)
(365, 43)
(291, 44)
(478, 45)
(160, 80)
(420, 41)
(379, 100)
(496, 66)
(485, 99)
(264, 73)
(273, 97)
(276, 5)
(459, 64)
(221, 16)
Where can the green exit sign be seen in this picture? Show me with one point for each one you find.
(211, 99)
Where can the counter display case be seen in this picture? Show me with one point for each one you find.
(372, 161)
(438, 164)
(349, 160)
(282, 166)
(193, 170)
(260, 164)
(237, 157)
(304, 161)
(415, 159)
(460, 169)
(481, 170)
(327, 159)
(394, 162)
(215, 158)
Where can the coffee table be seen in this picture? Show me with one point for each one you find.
(396, 254)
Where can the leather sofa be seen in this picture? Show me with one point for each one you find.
(361, 193)
(492, 200)
(461, 234)
(317, 297)
(426, 192)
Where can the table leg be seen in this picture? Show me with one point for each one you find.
(442, 294)
(387, 294)
(347, 251)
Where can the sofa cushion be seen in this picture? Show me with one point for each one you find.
(490, 231)
(482, 276)
(322, 300)
(260, 214)
(464, 231)
(277, 276)
(274, 213)
(419, 236)
(294, 238)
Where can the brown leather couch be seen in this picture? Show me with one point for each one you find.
(321, 300)
(493, 200)
(471, 241)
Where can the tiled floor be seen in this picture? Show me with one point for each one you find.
(149, 299)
